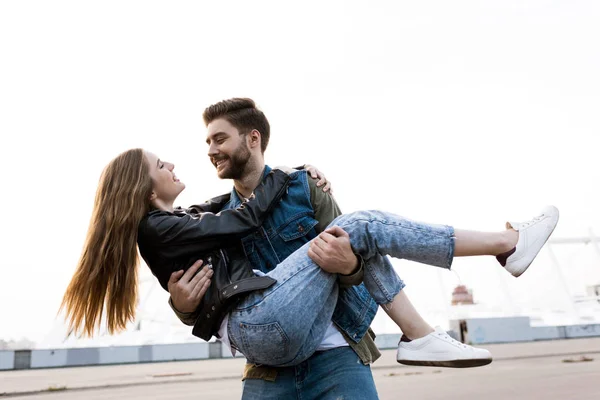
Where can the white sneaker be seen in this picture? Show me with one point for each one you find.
(439, 350)
(533, 235)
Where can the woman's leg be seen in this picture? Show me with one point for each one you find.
(292, 316)
(466, 243)
(378, 232)
(408, 319)
(269, 319)
(474, 243)
(373, 234)
(284, 324)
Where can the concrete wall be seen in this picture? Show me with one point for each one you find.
(494, 330)
(49, 358)
(565, 332)
(548, 332)
(388, 341)
(582, 331)
(479, 330)
(185, 351)
(7, 360)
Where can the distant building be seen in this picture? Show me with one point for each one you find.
(461, 295)
(594, 291)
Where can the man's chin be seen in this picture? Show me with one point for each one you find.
(230, 172)
(224, 174)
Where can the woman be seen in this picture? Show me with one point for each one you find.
(276, 319)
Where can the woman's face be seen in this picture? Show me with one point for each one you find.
(165, 185)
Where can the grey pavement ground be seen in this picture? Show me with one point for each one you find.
(521, 370)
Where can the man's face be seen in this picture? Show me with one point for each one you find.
(227, 149)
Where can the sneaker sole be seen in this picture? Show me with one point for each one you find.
(519, 273)
(449, 363)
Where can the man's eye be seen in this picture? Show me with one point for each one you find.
(220, 141)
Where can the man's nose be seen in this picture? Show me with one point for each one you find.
(212, 150)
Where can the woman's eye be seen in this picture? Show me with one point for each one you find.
(161, 166)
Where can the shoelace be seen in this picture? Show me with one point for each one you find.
(452, 340)
(532, 221)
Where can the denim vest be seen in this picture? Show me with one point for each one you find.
(290, 226)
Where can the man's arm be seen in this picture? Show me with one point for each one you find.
(336, 255)
(325, 206)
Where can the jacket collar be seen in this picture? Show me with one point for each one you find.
(236, 198)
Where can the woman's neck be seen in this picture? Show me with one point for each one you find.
(163, 205)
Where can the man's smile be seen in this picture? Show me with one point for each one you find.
(220, 164)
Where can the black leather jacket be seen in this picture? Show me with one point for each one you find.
(171, 241)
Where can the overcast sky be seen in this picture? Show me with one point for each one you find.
(459, 112)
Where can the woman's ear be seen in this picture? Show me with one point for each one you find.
(153, 196)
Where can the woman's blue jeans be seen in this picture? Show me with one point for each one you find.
(284, 324)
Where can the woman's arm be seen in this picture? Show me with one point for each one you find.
(209, 230)
(216, 204)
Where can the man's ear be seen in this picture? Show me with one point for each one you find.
(254, 137)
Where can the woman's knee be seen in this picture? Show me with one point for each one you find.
(356, 216)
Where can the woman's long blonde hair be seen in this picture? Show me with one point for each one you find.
(106, 274)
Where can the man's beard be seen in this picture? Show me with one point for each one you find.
(237, 163)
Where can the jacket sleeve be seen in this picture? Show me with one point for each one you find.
(213, 205)
(187, 318)
(187, 235)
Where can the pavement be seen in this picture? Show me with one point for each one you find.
(564, 369)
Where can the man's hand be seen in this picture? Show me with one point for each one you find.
(332, 252)
(316, 174)
(186, 289)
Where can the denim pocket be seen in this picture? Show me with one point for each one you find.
(265, 344)
(297, 228)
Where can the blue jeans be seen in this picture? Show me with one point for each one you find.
(327, 375)
(284, 324)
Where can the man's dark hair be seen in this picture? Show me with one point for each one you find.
(241, 113)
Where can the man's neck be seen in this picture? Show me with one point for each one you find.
(251, 179)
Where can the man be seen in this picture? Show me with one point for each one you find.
(237, 135)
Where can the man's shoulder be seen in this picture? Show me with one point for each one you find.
(294, 173)
(298, 179)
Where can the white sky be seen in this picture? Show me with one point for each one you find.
(456, 112)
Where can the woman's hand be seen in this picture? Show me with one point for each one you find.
(187, 289)
(316, 174)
